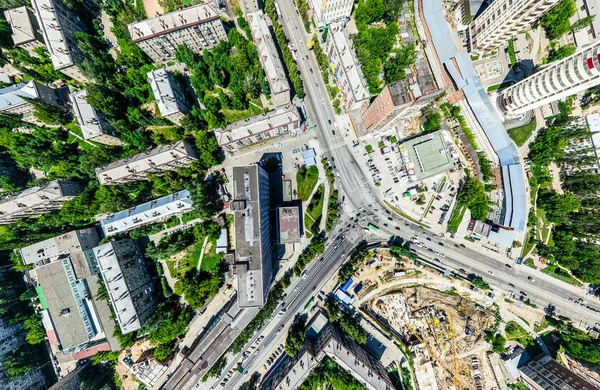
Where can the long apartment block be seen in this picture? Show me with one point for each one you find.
(37, 200)
(261, 128)
(25, 29)
(16, 99)
(504, 18)
(199, 27)
(157, 160)
(269, 58)
(557, 81)
(59, 26)
(346, 67)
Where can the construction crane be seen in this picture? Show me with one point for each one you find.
(454, 357)
(457, 383)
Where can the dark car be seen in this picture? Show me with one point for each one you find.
(329, 120)
(311, 71)
(441, 243)
(390, 219)
(333, 132)
(507, 265)
(397, 228)
(511, 285)
(428, 238)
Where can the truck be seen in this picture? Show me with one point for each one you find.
(373, 227)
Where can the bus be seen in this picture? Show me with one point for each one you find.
(373, 227)
(309, 304)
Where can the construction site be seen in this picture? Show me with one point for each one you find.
(445, 333)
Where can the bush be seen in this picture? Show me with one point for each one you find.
(162, 351)
(556, 21)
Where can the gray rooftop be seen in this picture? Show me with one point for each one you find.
(21, 24)
(54, 37)
(249, 235)
(173, 21)
(145, 161)
(161, 83)
(282, 116)
(15, 95)
(148, 212)
(429, 154)
(400, 92)
(90, 122)
(72, 244)
(288, 224)
(460, 68)
(267, 51)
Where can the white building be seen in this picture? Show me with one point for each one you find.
(14, 98)
(269, 57)
(154, 211)
(127, 282)
(327, 11)
(58, 26)
(93, 126)
(169, 95)
(248, 6)
(504, 18)
(157, 160)
(557, 81)
(259, 129)
(346, 67)
(25, 30)
(37, 200)
(199, 27)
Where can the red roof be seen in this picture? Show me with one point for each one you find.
(52, 339)
(91, 351)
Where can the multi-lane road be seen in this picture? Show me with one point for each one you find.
(359, 195)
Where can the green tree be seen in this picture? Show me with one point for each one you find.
(556, 205)
(35, 329)
(168, 322)
(433, 121)
(582, 23)
(19, 362)
(559, 52)
(162, 351)
(295, 338)
(197, 287)
(556, 21)
(401, 58)
(473, 196)
(49, 113)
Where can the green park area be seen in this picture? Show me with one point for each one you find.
(306, 179)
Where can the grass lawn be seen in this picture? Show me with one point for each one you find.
(543, 325)
(211, 259)
(529, 262)
(314, 211)
(75, 129)
(556, 272)
(456, 218)
(232, 116)
(170, 133)
(521, 134)
(404, 215)
(511, 52)
(496, 87)
(514, 331)
(306, 180)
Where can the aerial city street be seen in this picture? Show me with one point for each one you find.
(299, 194)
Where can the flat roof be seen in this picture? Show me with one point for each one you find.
(20, 22)
(144, 161)
(91, 124)
(161, 83)
(342, 43)
(429, 154)
(54, 37)
(502, 237)
(288, 222)
(117, 288)
(32, 197)
(148, 212)
(246, 128)
(267, 52)
(248, 235)
(15, 95)
(173, 21)
(62, 306)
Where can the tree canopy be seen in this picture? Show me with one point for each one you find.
(556, 21)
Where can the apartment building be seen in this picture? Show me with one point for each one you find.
(146, 213)
(269, 58)
(346, 67)
(65, 273)
(556, 81)
(58, 26)
(127, 282)
(323, 340)
(16, 99)
(93, 125)
(37, 200)
(199, 27)
(327, 11)
(259, 129)
(253, 251)
(545, 373)
(157, 160)
(73, 380)
(397, 101)
(25, 29)
(168, 95)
